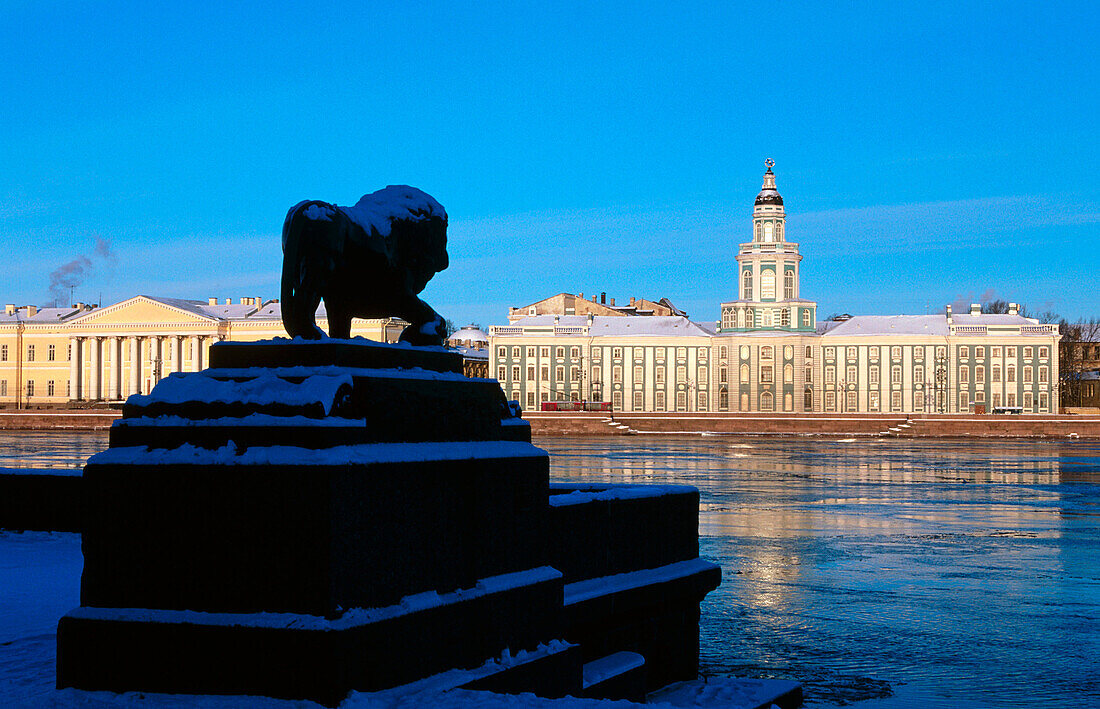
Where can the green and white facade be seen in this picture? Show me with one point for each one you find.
(768, 353)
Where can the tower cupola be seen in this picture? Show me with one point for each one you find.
(768, 193)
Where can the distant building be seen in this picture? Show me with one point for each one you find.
(768, 352)
(473, 343)
(53, 356)
(568, 304)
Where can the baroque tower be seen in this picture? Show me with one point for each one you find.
(767, 273)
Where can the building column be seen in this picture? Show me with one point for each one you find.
(177, 353)
(75, 370)
(196, 356)
(95, 368)
(155, 360)
(135, 366)
(114, 370)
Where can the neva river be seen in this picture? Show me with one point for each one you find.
(888, 573)
(879, 573)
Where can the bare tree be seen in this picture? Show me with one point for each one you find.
(1078, 339)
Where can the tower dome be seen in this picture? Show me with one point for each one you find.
(768, 193)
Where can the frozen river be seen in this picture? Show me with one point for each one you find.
(889, 573)
(879, 573)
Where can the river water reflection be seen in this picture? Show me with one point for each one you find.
(889, 573)
(879, 573)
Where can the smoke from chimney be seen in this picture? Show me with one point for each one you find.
(72, 274)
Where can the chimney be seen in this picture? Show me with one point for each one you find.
(211, 301)
(612, 303)
(229, 301)
(603, 298)
(1013, 308)
(632, 301)
(949, 315)
(594, 297)
(580, 296)
(975, 308)
(9, 309)
(32, 310)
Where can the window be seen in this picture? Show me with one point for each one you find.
(809, 375)
(1044, 401)
(830, 401)
(530, 400)
(51, 354)
(767, 318)
(830, 375)
(502, 372)
(544, 351)
(996, 372)
(515, 353)
(853, 402)
(766, 374)
(530, 372)
(872, 401)
(746, 286)
(872, 354)
(515, 373)
(788, 285)
(964, 375)
(3, 387)
(723, 400)
(1029, 400)
(595, 376)
(1010, 399)
(895, 400)
(49, 388)
(744, 374)
(996, 399)
(785, 317)
(851, 353)
(3, 353)
(979, 397)
(617, 352)
(681, 401)
(681, 352)
(979, 374)
(1042, 375)
(617, 400)
(767, 401)
(769, 230)
(750, 318)
(659, 375)
(30, 355)
(872, 375)
(918, 401)
(659, 401)
(1027, 375)
(809, 352)
(964, 352)
(574, 373)
(639, 401)
(808, 400)
(996, 351)
(722, 375)
(766, 352)
(806, 318)
(1010, 352)
(544, 370)
(979, 353)
(740, 318)
(638, 375)
(502, 352)
(830, 352)
(1043, 354)
(1010, 373)
(530, 351)
(574, 352)
(918, 374)
(681, 374)
(702, 402)
(1027, 352)
(895, 352)
(964, 401)
(617, 373)
(767, 285)
(722, 352)
(788, 374)
(918, 354)
(559, 352)
(30, 387)
(851, 374)
(941, 353)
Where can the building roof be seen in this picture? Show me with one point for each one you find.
(768, 193)
(889, 325)
(43, 315)
(469, 333)
(612, 325)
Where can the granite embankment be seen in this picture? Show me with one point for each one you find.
(48, 419)
(546, 423)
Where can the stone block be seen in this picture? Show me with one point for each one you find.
(337, 353)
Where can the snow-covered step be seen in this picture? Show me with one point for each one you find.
(731, 692)
(620, 675)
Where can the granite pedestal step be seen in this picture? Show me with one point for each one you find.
(357, 352)
(299, 656)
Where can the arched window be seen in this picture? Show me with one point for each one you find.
(788, 284)
(722, 352)
(808, 400)
(757, 237)
(788, 402)
(746, 286)
(788, 374)
(766, 352)
(744, 374)
(767, 403)
(779, 231)
(767, 285)
(749, 319)
(769, 230)
(724, 400)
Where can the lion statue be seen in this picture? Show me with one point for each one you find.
(367, 261)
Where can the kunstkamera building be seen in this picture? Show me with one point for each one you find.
(769, 352)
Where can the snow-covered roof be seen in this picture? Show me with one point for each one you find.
(890, 325)
(468, 333)
(43, 315)
(995, 319)
(615, 325)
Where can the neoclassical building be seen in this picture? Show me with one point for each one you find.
(51, 356)
(768, 352)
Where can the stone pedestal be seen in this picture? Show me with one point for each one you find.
(303, 519)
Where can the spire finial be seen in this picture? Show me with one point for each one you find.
(769, 163)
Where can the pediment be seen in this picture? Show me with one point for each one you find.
(142, 309)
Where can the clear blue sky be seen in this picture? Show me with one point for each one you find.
(927, 152)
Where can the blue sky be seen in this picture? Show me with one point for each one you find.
(928, 153)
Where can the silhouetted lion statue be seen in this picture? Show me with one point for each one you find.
(366, 261)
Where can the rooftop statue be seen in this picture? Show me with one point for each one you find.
(367, 261)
